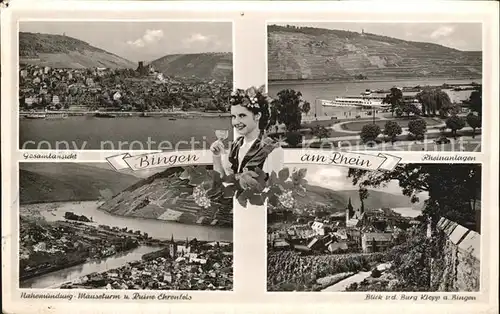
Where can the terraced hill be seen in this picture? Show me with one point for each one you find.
(165, 196)
(218, 66)
(59, 51)
(323, 54)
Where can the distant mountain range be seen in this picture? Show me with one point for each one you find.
(164, 195)
(61, 51)
(302, 53)
(316, 195)
(53, 182)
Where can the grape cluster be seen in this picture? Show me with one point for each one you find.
(200, 197)
(286, 199)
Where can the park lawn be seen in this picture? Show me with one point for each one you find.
(308, 134)
(358, 125)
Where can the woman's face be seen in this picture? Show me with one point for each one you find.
(243, 119)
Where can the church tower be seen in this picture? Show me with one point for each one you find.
(172, 248)
(349, 213)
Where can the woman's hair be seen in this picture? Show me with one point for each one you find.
(256, 101)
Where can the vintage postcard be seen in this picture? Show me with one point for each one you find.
(270, 157)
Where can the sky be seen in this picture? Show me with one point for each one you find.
(335, 178)
(143, 41)
(461, 36)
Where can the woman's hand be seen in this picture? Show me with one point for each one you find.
(217, 147)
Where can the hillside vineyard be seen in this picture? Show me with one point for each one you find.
(314, 53)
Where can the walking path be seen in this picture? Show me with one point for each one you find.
(357, 137)
(338, 127)
(357, 278)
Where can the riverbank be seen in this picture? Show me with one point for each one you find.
(50, 246)
(35, 209)
(385, 79)
(157, 229)
(125, 114)
(192, 266)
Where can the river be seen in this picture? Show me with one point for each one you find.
(330, 90)
(56, 278)
(130, 133)
(157, 229)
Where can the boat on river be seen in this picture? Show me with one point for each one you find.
(56, 116)
(36, 116)
(104, 115)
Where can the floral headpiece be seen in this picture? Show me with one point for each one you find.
(250, 98)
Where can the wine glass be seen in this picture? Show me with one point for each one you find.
(222, 135)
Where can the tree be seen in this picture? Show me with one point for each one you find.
(369, 133)
(392, 129)
(455, 123)
(306, 107)
(452, 188)
(287, 109)
(476, 100)
(474, 122)
(363, 195)
(375, 272)
(294, 139)
(433, 100)
(410, 108)
(320, 132)
(417, 127)
(395, 99)
(350, 208)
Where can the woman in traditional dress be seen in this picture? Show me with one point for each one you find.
(252, 149)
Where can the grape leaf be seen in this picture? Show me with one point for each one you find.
(185, 174)
(302, 173)
(242, 197)
(283, 174)
(261, 178)
(288, 185)
(272, 198)
(256, 199)
(229, 191)
(273, 179)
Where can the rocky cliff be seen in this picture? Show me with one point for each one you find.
(324, 54)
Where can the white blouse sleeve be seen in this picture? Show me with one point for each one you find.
(274, 161)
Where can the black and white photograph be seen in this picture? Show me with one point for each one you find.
(85, 226)
(123, 85)
(379, 86)
(416, 228)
